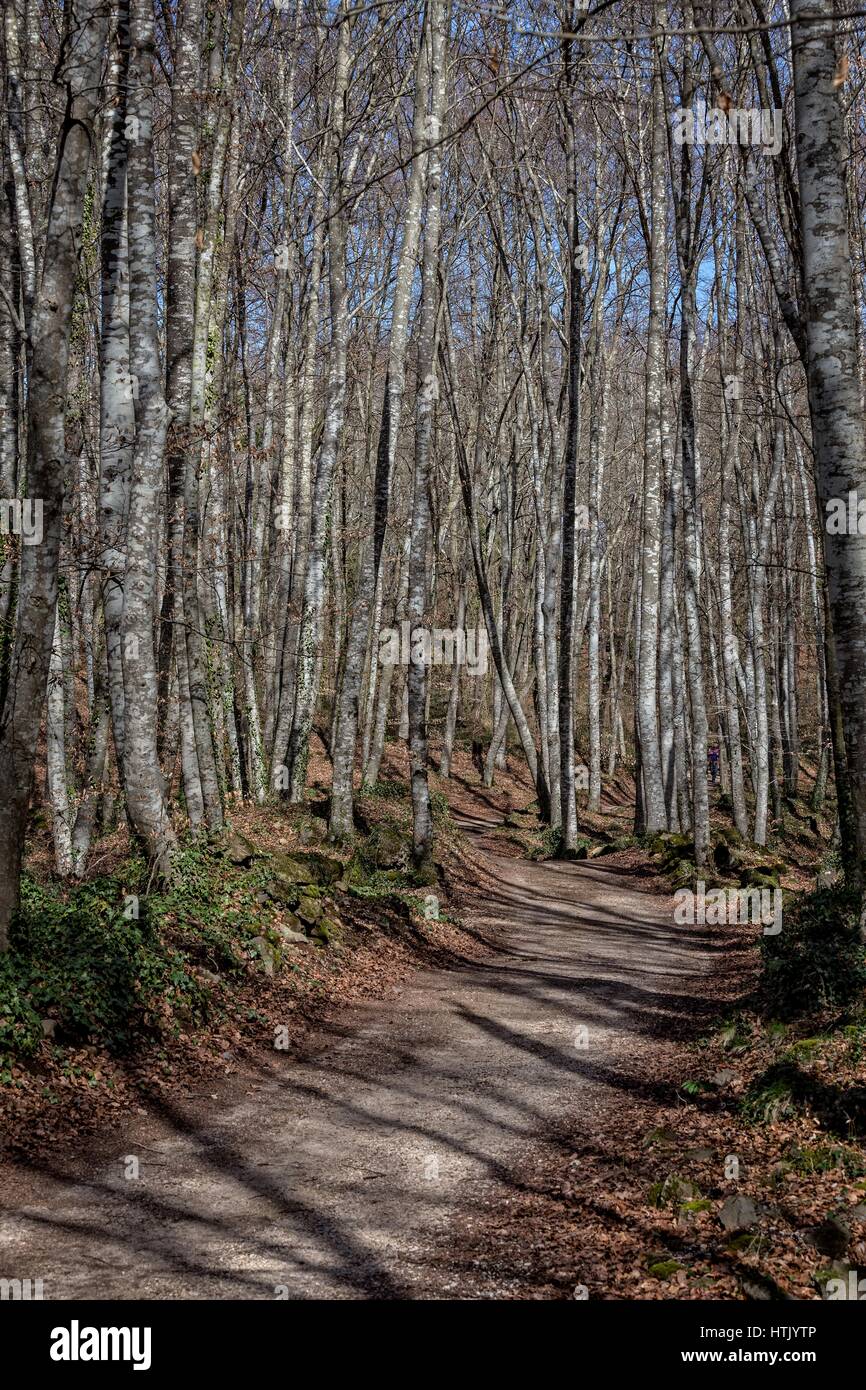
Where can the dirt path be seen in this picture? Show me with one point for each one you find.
(342, 1177)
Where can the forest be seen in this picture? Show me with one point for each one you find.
(433, 649)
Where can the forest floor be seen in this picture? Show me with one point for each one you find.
(532, 1099)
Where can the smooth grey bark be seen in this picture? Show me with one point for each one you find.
(454, 690)
(346, 724)
(835, 399)
(654, 810)
(223, 85)
(116, 390)
(143, 782)
(183, 198)
(426, 396)
(55, 758)
(567, 616)
(687, 232)
(310, 635)
(76, 84)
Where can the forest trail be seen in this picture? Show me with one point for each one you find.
(345, 1177)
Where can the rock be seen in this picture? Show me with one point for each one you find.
(237, 848)
(858, 1213)
(759, 876)
(678, 845)
(309, 910)
(386, 848)
(723, 1078)
(322, 932)
(663, 1138)
(49, 1027)
(311, 830)
(726, 857)
(731, 836)
(299, 870)
(266, 954)
(738, 1213)
(831, 1237)
(292, 938)
(279, 890)
(661, 1265)
(673, 1192)
(682, 873)
(700, 1155)
(291, 921)
(757, 1293)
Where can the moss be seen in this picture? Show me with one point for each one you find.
(664, 1269)
(745, 1241)
(807, 1159)
(673, 1192)
(818, 961)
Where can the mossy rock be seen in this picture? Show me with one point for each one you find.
(425, 875)
(663, 1268)
(267, 955)
(759, 876)
(743, 1242)
(309, 909)
(682, 873)
(730, 835)
(307, 868)
(726, 858)
(386, 848)
(311, 830)
(678, 845)
(673, 1191)
(281, 891)
(236, 848)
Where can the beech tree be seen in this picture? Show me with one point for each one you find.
(536, 333)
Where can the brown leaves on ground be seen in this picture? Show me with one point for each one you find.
(627, 1203)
